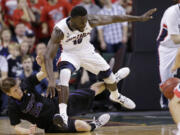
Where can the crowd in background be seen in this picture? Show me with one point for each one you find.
(26, 26)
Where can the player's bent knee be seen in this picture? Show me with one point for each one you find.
(65, 75)
(82, 126)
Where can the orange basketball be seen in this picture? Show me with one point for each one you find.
(168, 86)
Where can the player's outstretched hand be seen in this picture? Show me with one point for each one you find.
(148, 15)
(51, 89)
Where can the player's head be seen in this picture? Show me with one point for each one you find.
(79, 18)
(11, 87)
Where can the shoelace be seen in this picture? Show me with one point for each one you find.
(122, 99)
(97, 122)
(118, 77)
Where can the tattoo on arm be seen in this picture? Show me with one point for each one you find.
(53, 44)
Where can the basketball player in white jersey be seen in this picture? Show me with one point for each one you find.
(168, 42)
(73, 33)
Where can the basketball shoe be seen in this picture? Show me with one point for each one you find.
(101, 121)
(123, 100)
(58, 121)
(122, 73)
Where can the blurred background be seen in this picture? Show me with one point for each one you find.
(26, 26)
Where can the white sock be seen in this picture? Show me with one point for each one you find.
(115, 94)
(63, 110)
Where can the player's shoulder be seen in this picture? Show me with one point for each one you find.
(61, 25)
(172, 9)
(61, 22)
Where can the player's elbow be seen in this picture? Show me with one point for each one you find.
(175, 39)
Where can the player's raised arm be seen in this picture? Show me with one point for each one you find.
(53, 44)
(96, 20)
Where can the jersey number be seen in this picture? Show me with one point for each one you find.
(78, 41)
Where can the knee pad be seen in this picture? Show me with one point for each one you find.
(104, 74)
(64, 77)
(111, 79)
(66, 64)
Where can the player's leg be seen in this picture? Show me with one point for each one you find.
(67, 64)
(166, 61)
(97, 65)
(115, 96)
(80, 125)
(90, 126)
(63, 92)
(174, 107)
(99, 87)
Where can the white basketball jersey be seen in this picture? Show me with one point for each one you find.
(75, 40)
(170, 24)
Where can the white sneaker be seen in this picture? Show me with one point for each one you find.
(65, 118)
(102, 120)
(122, 73)
(124, 101)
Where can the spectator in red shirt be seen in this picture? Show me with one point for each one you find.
(23, 14)
(8, 7)
(53, 12)
(37, 6)
(75, 2)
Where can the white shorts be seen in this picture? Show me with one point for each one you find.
(167, 58)
(90, 61)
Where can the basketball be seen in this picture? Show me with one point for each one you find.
(168, 86)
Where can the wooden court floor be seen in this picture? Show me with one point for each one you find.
(126, 125)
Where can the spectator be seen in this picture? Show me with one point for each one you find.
(8, 7)
(30, 38)
(23, 14)
(53, 12)
(37, 6)
(74, 2)
(113, 36)
(5, 37)
(3, 75)
(90, 6)
(41, 49)
(14, 61)
(2, 23)
(19, 33)
(24, 48)
(27, 64)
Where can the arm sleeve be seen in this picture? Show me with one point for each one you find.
(173, 22)
(14, 114)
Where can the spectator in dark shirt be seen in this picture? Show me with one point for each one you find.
(27, 64)
(14, 61)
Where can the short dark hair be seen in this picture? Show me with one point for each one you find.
(78, 11)
(25, 57)
(7, 84)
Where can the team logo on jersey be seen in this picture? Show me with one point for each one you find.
(79, 36)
